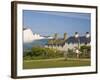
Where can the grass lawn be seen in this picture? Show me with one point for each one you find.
(58, 62)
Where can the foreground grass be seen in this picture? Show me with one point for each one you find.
(51, 63)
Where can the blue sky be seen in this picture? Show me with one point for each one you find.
(47, 23)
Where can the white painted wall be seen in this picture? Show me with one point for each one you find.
(5, 41)
(65, 47)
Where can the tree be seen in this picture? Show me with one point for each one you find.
(85, 51)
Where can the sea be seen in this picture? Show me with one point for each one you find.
(40, 42)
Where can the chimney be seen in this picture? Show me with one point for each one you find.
(76, 35)
(65, 36)
(87, 35)
(55, 36)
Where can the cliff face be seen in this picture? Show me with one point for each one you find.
(27, 36)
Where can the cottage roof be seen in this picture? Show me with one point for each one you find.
(25, 28)
(71, 39)
(82, 39)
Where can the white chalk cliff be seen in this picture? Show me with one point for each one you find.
(29, 36)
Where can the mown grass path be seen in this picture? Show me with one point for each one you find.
(58, 62)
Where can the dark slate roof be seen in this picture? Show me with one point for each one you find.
(82, 39)
(25, 28)
(71, 39)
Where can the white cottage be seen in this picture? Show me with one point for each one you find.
(68, 43)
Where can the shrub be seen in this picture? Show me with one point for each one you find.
(43, 53)
(71, 53)
(86, 50)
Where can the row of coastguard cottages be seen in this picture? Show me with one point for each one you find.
(66, 42)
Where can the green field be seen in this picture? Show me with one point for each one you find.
(52, 63)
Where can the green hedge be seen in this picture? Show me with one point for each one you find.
(42, 53)
(47, 53)
(85, 52)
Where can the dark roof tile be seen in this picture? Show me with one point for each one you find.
(82, 39)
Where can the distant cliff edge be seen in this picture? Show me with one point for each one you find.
(28, 36)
